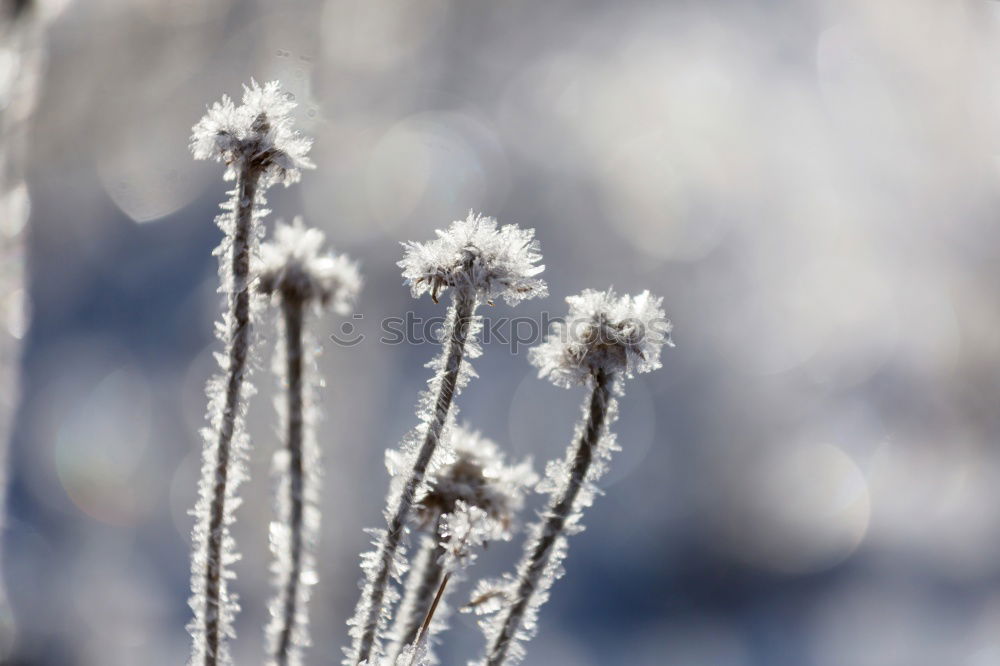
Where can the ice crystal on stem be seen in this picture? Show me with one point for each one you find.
(605, 339)
(256, 142)
(298, 276)
(478, 477)
(463, 531)
(476, 260)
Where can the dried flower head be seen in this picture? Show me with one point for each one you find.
(476, 254)
(294, 265)
(479, 477)
(603, 331)
(258, 133)
(464, 530)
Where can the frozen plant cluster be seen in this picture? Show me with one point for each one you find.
(260, 149)
(477, 260)
(479, 478)
(451, 490)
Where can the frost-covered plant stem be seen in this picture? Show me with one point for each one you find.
(477, 261)
(537, 556)
(479, 478)
(428, 571)
(425, 626)
(300, 278)
(292, 312)
(464, 303)
(604, 340)
(239, 350)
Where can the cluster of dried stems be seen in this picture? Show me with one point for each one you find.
(451, 489)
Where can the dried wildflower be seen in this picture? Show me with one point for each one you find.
(294, 267)
(604, 340)
(257, 135)
(298, 277)
(478, 477)
(603, 331)
(476, 260)
(257, 144)
(474, 254)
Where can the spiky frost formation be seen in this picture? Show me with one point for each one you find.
(619, 334)
(298, 276)
(253, 140)
(604, 340)
(477, 477)
(412, 655)
(463, 531)
(477, 261)
(474, 253)
(294, 264)
(256, 133)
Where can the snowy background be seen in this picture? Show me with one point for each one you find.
(813, 478)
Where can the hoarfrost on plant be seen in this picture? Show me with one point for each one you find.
(294, 264)
(256, 133)
(603, 331)
(476, 254)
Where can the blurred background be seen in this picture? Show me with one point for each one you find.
(813, 478)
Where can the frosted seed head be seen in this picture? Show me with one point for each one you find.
(621, 335)
(257, 133)
(479, 477)
(478, 255)
(463, 531)
(294, 266)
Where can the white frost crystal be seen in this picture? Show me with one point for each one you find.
(474, 253)
(293, 263)
(258, 132)
(463, 531)
(619, 334)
